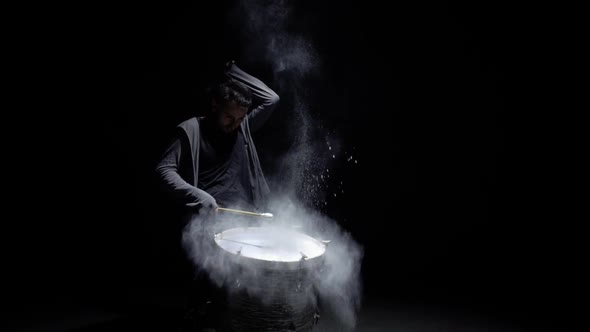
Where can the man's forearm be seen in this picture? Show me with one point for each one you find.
(174, 185)
(258, 88)
(267, 97)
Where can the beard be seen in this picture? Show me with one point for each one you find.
(228, 129)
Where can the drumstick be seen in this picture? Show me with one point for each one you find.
(254, 214)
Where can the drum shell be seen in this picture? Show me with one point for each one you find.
(267, 295)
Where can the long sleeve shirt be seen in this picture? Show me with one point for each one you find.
(240, 179)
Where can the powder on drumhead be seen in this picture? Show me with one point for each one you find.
(336, 285)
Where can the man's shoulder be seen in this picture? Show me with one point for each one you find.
(190, 125)
(190, 128)
(194, 121)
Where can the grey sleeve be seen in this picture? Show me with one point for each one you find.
(168, 177)
(266, 98)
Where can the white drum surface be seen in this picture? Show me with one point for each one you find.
(275, 244)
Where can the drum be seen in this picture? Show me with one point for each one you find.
(274, 273)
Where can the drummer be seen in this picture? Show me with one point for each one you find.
(212, 161)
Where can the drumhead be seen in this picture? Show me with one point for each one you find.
(275, 244)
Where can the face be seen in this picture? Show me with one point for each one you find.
(229, 116)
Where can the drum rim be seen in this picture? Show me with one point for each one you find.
(271, 263)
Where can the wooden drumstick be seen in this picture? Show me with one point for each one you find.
(253, 214)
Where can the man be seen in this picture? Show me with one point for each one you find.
(212, 161)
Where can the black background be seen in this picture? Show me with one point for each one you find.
(452, 199)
